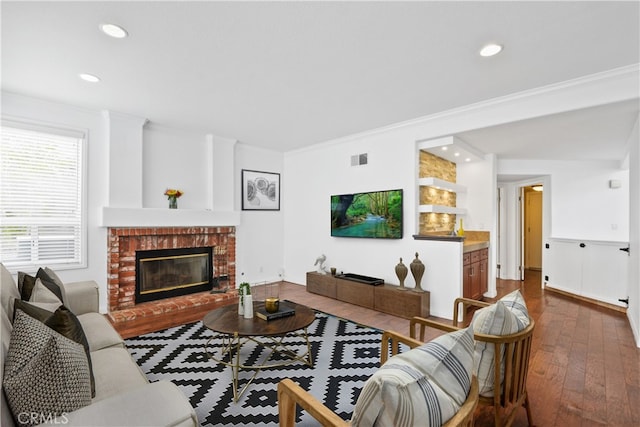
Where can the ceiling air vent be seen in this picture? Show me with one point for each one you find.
(359, 159)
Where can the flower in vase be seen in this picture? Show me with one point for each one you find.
(171, 193)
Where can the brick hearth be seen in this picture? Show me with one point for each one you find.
(131, 319)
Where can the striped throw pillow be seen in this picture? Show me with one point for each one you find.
(496, 319)
(515, 303)
(425, 386)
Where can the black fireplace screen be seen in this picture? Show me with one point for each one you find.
(167, 273)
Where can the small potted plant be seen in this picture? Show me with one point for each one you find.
(245, 306)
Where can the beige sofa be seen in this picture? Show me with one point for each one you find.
(123, 395)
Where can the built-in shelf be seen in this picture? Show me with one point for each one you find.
(158, 217)
(442, 209)
(442, 185)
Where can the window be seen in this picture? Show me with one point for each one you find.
(41, 197)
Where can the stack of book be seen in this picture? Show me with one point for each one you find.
(284, 310)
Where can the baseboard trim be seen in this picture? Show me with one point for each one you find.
(586, 299)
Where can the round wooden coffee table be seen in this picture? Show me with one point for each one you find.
(235, 331)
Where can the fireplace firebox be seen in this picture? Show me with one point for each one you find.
(165, 273)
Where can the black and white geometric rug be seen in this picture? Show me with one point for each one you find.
(344, 353)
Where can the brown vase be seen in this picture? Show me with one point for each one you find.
(417, 270)
(401, 272)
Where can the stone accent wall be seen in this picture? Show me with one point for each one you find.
(123, 243)
(439, 223)
(434, 196)
(436, 167)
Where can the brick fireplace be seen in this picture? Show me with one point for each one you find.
(127, 314)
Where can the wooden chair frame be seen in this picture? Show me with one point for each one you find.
(291, 394)
(512, 393)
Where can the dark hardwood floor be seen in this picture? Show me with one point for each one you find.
(584, 368)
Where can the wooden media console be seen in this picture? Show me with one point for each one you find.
(389, 299)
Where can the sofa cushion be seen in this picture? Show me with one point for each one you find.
(26, 282)
(99, 331)
(424, 386)
(496, 319)
(62, 321)
(8, 290)
(115, 371)
(45, 372)
(41, 293)
(55, 279)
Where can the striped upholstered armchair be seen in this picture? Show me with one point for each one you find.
(506, 329)
(429, 385)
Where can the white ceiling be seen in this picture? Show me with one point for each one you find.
(284, 75)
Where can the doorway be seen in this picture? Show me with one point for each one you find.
(531, 249)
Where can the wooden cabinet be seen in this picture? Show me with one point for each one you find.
(355, 293)
(322, 284)
(474, 273)
(386, 298)
(389, 299)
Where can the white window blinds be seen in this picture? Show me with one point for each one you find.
(41, 218)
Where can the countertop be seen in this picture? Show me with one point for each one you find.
(474, 245)
(472, 241)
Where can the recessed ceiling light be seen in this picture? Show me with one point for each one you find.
(114, 30)
(467, 159)
(490, 50)
(445, 148)
(89, 78)
(456, 154)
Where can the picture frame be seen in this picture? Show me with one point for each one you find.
(260, 190)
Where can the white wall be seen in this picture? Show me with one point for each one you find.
(480, 202)
(582, 206)
(633, 312)
(174, 158)
(259, 238)
(314, 174)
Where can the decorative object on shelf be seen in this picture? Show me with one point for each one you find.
(417, 270)
(173, 195)
(260, 191)
(244, 290)
(333, 271)
(401, 272)
(320, 264)
(272, 297)
(460, 229)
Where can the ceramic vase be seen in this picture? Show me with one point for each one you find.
(240, 305)
(401, 272)
(248, 306)
(417, 270)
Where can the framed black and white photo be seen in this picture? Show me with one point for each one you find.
(260, 191)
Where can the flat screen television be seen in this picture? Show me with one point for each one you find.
(376, 214)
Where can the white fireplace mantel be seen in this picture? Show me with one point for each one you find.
(160, 217)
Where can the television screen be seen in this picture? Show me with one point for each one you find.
(377, 214)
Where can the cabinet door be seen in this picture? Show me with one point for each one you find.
(466, 281)
(605, 272)
(565, 266)
(475, 280)
(484, 273)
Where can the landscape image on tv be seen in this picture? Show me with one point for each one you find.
(376, 214)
